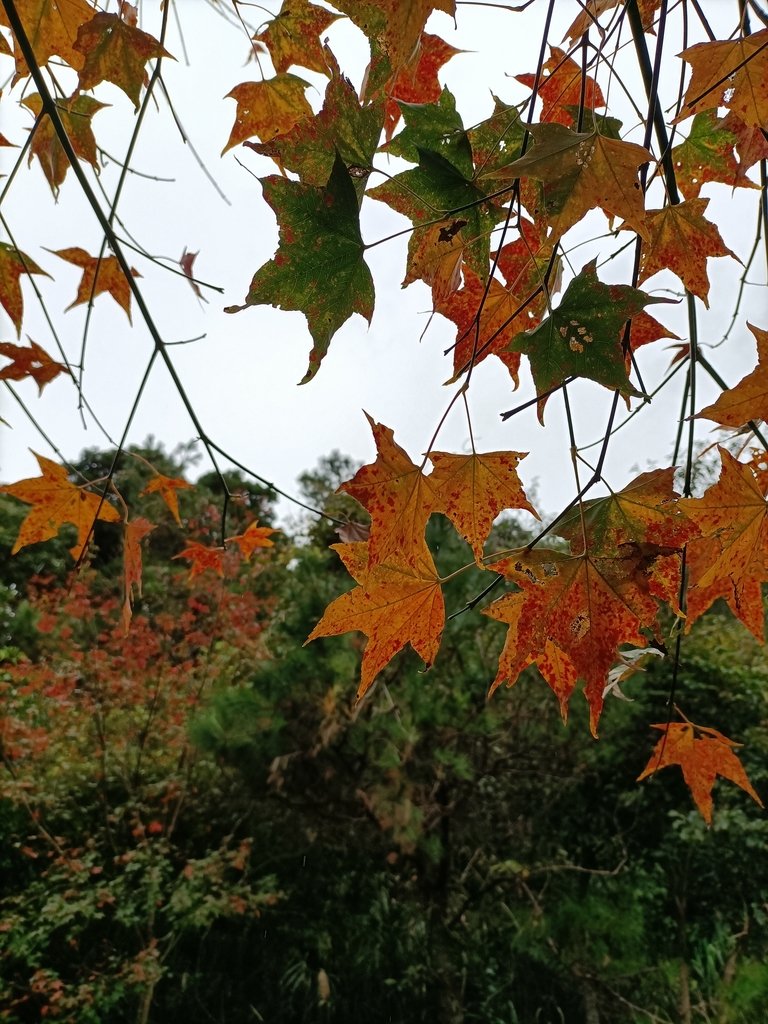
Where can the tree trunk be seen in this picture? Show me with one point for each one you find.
(591, 1009)
(684, 1005)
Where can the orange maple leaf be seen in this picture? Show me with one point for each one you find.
(702, 758)
(586, 605)
(473, 489)
(292, 36)
(561, 87)
(166, 487)
(681, 240)
(730, 560)
(435, 256)
(32, 362)
(135, 531)
(202, 559)
(417, 81)
(395, 604)
(114, 50)
(267, 109)
(731, 73)
(99, 275)
(253, 537)
(51, 29)
(395, 25)
(55, 501)
(748, 400)
(14, 263)
(398, 496)
(592, 9)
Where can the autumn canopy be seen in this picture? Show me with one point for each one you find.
(495, 214)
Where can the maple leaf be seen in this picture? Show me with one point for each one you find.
(444, 181)
(167, 487)
(267, 109)
(581, 338)
(592, 9)
(76, 114)
(135, 531)
(708, 155)
(396, 25)
(202, 559)
(732, 73)
(730, 560)
(344, 126)
(579, 171)
(751, 141)
(292, 35)
(51, 29)
(561, 88)
(586, 605)
(253, 537)
(395, 604)
(398, 496)
(187, 264)
(32, 361)
(681, 239)
(646, 511)
(55, 501)
(702, 758)
(435, 256)
(14, 263)
(748, 400)
(319, 267)
(417, 82)
(487, 323)
(473, 489)
(99, 275)
(116, 51)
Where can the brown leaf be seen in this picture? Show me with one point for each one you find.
(76, 114)
(748, 400)
(14, 263)
(135, 531)
(32, 362)
(99, 275)
(267, 109)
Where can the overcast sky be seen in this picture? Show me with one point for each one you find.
(242, 377)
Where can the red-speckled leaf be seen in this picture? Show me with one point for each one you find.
(473, 489)
(14, 263)
(556, 668)
(731, 73)
(115, 51)
(747, 400)
(702, 754)
(32, 361)
(319, 267)
(202, 559)
(56, 501)
(253, 537)
(417, 81)
(560, 87)
(396, 603)
(681, 240)
(99, 276)
(399, 498)
(167, 487)
(751, 141)
(731, 558)
(267, 109)
(76, 114)
(135, 532)
(586, 605)
(292, 35)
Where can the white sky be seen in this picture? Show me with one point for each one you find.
(242, 378)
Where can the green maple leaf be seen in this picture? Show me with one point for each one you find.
(319, 267)
(436, 127)
(707, 155)
(343, 126)
(582, 337)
